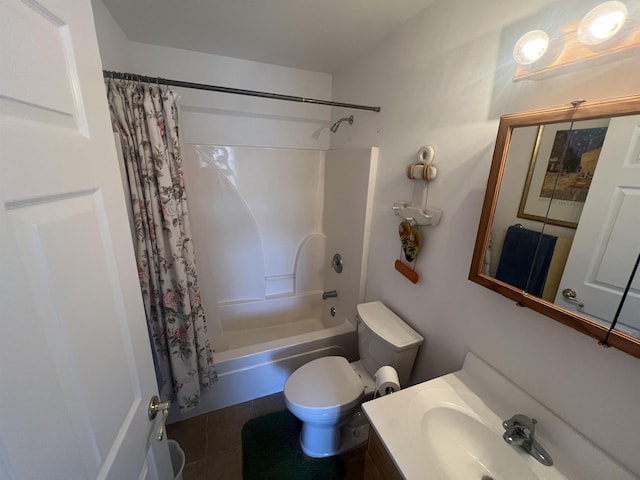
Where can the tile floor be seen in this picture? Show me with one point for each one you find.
(213, 446)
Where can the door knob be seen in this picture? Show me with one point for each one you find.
(155, 406)
(571, 296)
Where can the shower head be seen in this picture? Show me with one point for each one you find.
(335, 126)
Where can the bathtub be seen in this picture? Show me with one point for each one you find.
(266, 342)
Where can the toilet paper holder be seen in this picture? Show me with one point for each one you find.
(424, 171)
(387, 381)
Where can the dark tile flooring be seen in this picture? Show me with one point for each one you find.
(213, 446)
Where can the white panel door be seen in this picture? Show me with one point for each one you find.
(607, 241)
(76, 373)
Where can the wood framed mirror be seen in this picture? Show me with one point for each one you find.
(559, 231)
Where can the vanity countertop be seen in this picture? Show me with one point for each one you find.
(451, 427)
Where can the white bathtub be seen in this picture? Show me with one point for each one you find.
(264, 350)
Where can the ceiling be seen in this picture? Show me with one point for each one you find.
(318, 35)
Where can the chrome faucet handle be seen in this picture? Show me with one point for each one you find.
(520, 422)
(520, 431)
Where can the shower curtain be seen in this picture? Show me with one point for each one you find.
(145, 116)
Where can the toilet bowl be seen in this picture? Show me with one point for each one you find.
(326, 393)
(323, 395)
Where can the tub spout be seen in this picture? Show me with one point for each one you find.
(329, 294)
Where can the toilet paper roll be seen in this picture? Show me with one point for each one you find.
(420, 171)
(429, 173)
(415, 171)
(426, 154)
(387, 380)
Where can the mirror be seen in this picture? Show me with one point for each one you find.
(559, 231)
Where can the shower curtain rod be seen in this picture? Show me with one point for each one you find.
(235, 91)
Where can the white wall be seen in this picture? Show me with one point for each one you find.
(113, 43)
(225, 119)
(220, 118)
(444, 79)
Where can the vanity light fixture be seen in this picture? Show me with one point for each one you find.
(608, 32)
(602, 23)
(531, 47)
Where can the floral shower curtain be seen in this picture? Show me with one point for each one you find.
(145, 116)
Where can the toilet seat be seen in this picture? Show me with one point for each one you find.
(324, 386)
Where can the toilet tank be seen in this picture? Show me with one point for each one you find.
(385, 339)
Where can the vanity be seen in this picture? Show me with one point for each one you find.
(378, 463)
(453, 427)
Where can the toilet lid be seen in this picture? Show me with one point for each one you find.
(327, 385)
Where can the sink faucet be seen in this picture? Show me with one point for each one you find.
(519, 432)
(329, 294)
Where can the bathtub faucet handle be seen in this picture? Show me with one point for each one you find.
(329, 294)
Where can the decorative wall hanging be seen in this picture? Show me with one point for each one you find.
(416, 213)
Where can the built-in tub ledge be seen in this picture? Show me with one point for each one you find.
(452, 428)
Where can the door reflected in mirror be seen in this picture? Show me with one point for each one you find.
(559, 231)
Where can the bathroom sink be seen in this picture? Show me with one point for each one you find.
(461, 446)
(461, 436)
(451, 428)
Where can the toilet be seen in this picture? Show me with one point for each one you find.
(326, 393)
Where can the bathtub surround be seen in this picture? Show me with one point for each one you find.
(263, 252)
(257, 221)
(274, 250)
(146, 118)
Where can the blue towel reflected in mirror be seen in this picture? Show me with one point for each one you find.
(521, 264)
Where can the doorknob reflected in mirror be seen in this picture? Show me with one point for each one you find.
(155, 406)
(571, 296)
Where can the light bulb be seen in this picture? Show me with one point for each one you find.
(531, 47)
(602, 22)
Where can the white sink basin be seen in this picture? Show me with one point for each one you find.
(461, 437)
(478, 450)
(450, 428)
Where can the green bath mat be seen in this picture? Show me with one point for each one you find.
(271, 451)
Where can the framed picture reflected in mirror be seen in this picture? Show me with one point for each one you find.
(563, 162)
